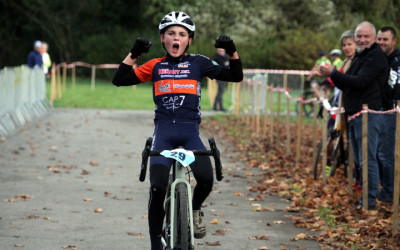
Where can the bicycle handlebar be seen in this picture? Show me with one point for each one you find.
(214, 152)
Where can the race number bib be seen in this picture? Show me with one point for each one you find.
(185, 157)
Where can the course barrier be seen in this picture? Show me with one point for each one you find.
(22, 97)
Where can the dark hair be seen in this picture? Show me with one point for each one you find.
(388, 28)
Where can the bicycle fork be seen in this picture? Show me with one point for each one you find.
(180, 177)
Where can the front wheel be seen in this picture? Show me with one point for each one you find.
(182, 218)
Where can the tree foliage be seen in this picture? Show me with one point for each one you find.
(268, 34)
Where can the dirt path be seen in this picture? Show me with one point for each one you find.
(71, 180)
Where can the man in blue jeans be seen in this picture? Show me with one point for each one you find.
(362, 84)
(387, 41)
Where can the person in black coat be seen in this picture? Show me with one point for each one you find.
(222, 59)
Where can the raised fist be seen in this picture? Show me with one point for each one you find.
(225, 42)
(142, 45)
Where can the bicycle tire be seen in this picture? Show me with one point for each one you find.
(317, 160)
(318, 166)
(166, 233)
(339, 156)
(336, 155)
(182, 217)
(308, 108)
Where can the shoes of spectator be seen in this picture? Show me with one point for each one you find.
(360, 206)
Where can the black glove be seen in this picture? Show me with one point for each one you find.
(142, 45)
(225, 42)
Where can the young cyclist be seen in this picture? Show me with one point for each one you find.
(176, 93)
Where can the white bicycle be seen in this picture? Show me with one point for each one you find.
(178, 230)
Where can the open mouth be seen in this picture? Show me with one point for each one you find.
(175, 48)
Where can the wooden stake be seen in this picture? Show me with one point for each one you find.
(64, 76)
(258, 109)
(53, 88)
(365, 157)
(59, 93)
(271, 108)
(73, 76)
(396, 174)
(287, 119)
(299, 128)
(93, 83)
(324, 144)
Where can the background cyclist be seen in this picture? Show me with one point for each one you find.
(176, 93)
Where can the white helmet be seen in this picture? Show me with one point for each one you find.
(336, 52)
(177, 18)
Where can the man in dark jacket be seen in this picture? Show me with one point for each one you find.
(222, 59)
(362, 84)
(35, 57)
(387, 40)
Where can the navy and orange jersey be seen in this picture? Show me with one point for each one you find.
(177, 85)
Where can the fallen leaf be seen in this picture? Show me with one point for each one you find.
(219, 232)
(213, 243)
(85, 172)
(301, 236)
(278, 222)
(98, 210)
(258, 237)
(214, 221)
(87, 199)
(239, 194)
(19, 245)
(94, 163)
(139, 235)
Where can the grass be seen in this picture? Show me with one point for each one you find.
(106, 95)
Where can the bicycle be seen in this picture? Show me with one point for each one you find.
(178, 230)
(339, 155)
(308, 108)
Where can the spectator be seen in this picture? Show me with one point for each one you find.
(319, 85)
(387, 40)
(34, 57)
(222, 59)
(362, 85)
(335, 58)
(46, 58)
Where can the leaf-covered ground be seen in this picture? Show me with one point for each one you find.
(325, 208)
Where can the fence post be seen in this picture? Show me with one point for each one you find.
(271, 108)
(278, 111)
(314, 134)
(266, 110)
(365, 157)
(258, 108)
(93, 83)
(350, 166)
(299, 127)
(73, 76)
(396, 174)
(287, 120)
(64, 75)
(325, 115)
(59, 92)
(53, 86)
(236, 87)
(247, 103)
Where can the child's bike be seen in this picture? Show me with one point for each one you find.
(178, 231)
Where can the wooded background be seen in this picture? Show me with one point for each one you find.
(284, 34)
